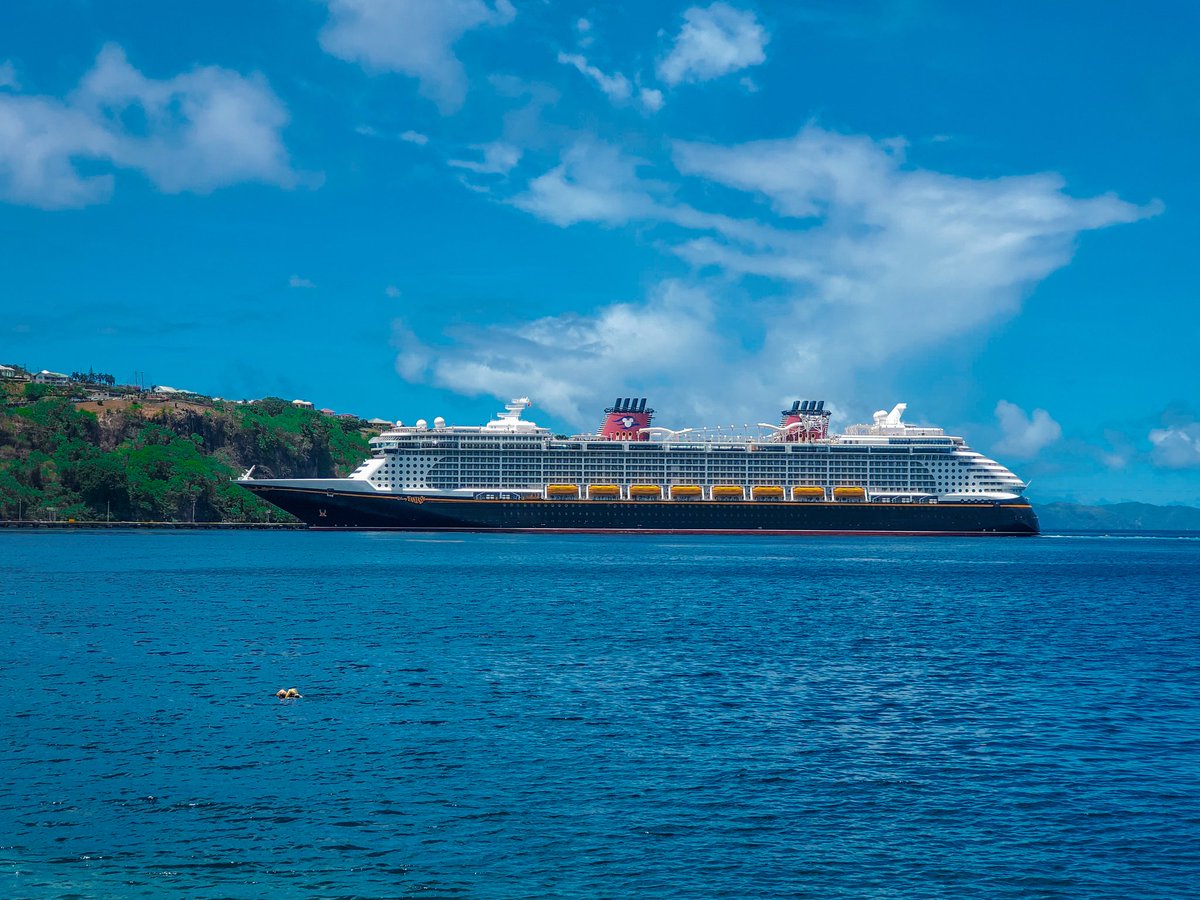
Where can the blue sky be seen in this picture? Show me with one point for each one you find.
(411, 208)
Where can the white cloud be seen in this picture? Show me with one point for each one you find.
(1176, 447)
(859, 260)
(585, 36)
(205, 129)
(297, 282)
(593, 183)
(414, 137)
(1022, 436)
(615, 87)
(714, 41)
(562, 361)
(392, 291)
(198, 131)
(8, 75)
(412, 37)
(651, 98)
(497, 158)
(40, 140)
(888, 257)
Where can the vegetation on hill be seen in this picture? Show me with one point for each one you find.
(146, 460)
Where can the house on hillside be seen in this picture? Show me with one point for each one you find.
(47, 377)
(8, 373)
(302, 404)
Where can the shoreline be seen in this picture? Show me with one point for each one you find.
(32, 525)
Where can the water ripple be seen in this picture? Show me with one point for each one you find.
(506, 716)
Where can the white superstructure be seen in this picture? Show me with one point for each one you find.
(887, 460)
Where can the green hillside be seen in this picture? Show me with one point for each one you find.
(136, 459)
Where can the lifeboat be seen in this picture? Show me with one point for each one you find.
(686, 492)
(728, 492)
(562, 491)
(766, 492)
(645, 492)
(849, 493)
(806, 492)
(604, 492)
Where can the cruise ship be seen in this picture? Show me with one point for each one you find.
(886, 477)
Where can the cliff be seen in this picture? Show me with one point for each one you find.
(138, 459)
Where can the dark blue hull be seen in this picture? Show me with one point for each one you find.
(335, 510)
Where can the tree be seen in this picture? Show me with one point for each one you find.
(272, 406)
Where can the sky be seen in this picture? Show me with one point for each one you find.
(413, 208)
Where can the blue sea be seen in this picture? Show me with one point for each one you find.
(491, 716)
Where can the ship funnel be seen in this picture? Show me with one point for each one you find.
(807, 420)
(627, 420)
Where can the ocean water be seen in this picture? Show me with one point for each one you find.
(490, 716)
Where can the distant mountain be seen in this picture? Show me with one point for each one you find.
(1117, 517)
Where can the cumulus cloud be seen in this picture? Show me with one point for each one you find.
(297, 282)
(714, 41)
(40, 141)
(594, 182)
(414, 137)
(563, 360)
(1176, 447)
(204, 129)
(198, 131)
(412, 37)
(1024, 436)
(857, 258)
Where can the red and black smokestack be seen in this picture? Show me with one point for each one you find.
(624, 420)
(811, 419)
